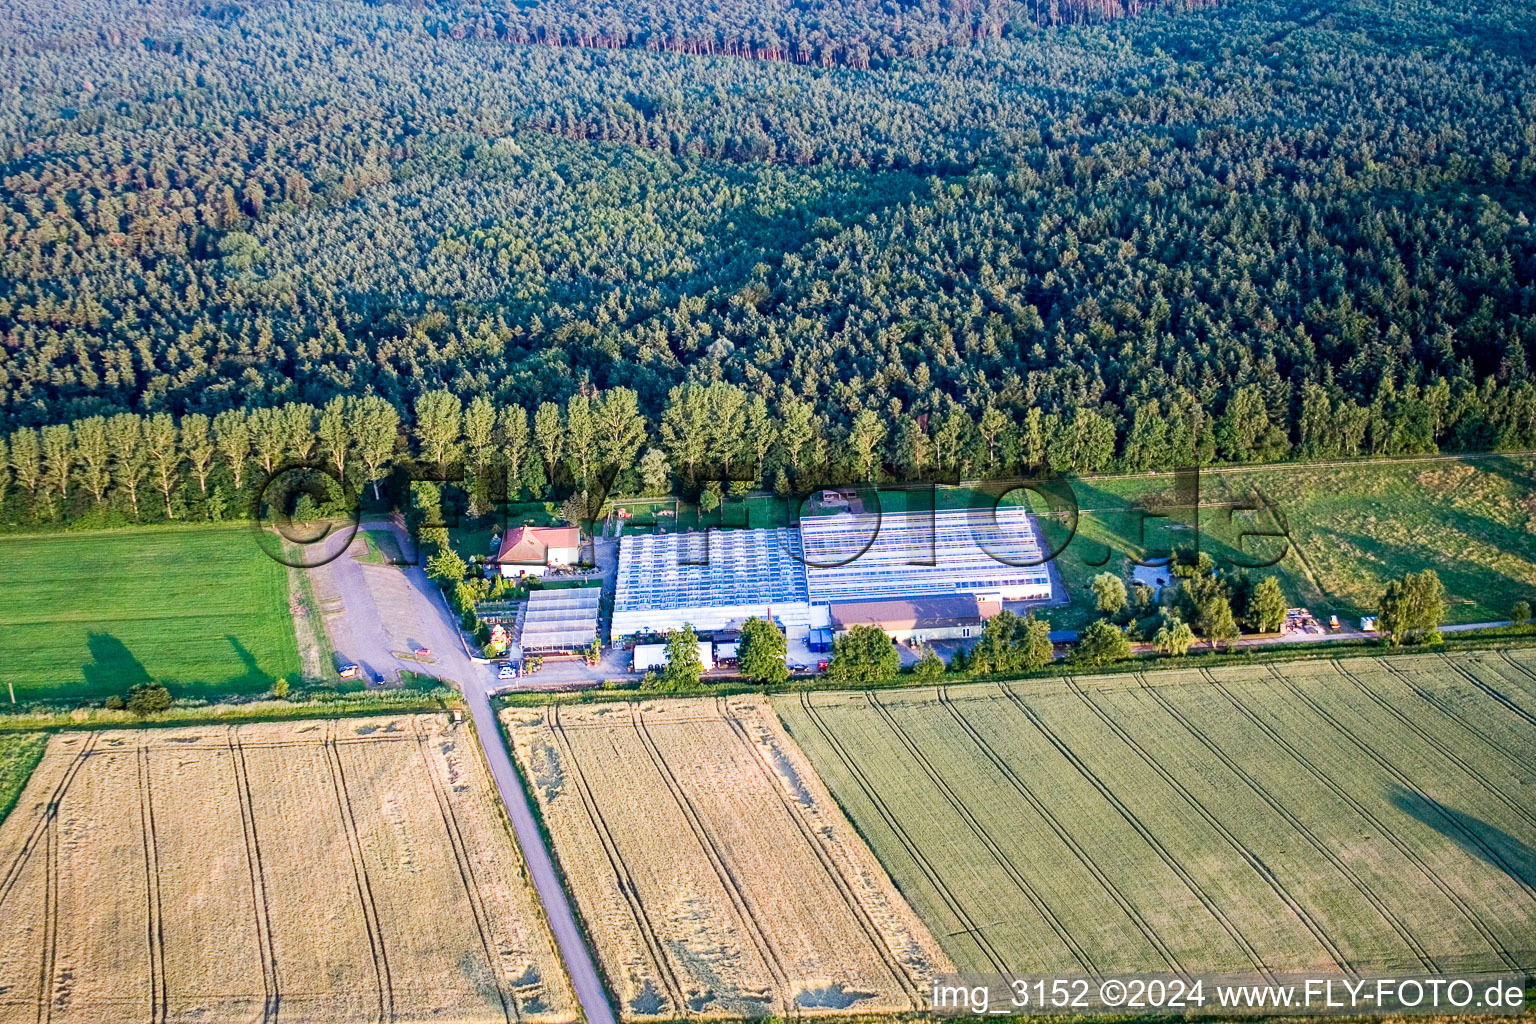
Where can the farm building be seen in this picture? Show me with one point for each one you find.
(560, 621)
(711, 581)
(530, 550)
(949, 617)
(653, 656)
(872, 557)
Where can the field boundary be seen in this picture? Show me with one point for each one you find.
(45, 819)
(828, 862)
(643, 923)
(918, 857)
(738, 898)
(509, 1008)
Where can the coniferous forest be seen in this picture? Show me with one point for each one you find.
(816, 240)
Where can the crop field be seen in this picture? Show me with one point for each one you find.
(90, 614)
(334, 871)
(715, 874)
(1369, 814)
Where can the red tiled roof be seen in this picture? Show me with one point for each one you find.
(529, 545)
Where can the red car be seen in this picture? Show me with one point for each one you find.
(421, 652)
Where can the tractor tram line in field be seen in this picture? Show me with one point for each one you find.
(1270, 800)
(44, 821)
(364, 886)
(155, 937)
(261, 905)
(1214, 822)
(1402, 847)
(1150, 837)
(1043, 810)
(626, 884)
(750, 921)
(998, 854)
(1440, 748)
(1402, 779)
(828, 863)
(934, 878)
(1498, 695)
(1445, 710)
(479, 915)
(1524, 670)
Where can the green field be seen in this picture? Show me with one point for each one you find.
(204, 611)
(1371, 815)
(19, 754)
(1347, 529)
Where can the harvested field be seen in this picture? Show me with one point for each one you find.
(741, 889)
(350, 870)
(1374, 814)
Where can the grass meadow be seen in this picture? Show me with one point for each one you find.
(86, 615)
(19, 754)
(1365, 815)
(1339, 531)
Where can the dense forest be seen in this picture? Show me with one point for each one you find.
(1249, 230)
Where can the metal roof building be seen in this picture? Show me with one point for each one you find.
(560, 620)
(871, 557)
(709, 580)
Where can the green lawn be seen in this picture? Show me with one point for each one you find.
(1370, 814)
(1349, 529)
(204, 611)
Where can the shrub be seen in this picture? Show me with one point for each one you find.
(149, 699)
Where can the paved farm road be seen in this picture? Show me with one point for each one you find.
(573, 947)
(439, 630)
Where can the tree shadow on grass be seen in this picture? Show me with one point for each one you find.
(1487, 842)
(113, 668)
(254, 678)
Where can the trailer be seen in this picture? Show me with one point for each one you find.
(653, 656)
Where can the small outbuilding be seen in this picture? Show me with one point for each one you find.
(560, 621)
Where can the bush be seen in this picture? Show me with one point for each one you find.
(1520, 614)
(149, 699)
(929, 668)
(115, 703)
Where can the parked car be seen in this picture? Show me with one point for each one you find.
(422, 652)
(347, 671)
(507, 672)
